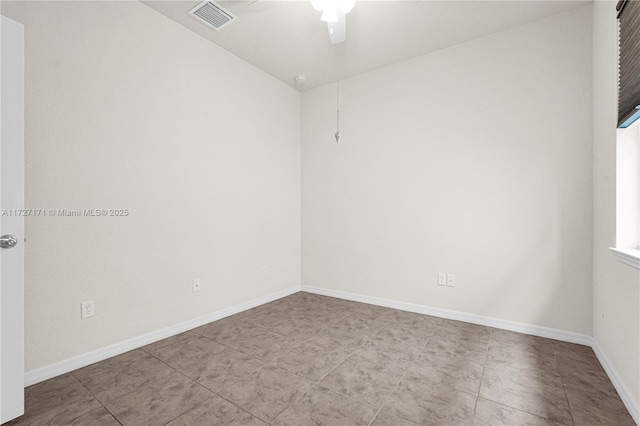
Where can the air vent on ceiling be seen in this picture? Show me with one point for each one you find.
(213, 15)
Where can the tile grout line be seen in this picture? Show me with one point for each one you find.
(520, 409)
(400, 381)
(97, 400)
(198, 383)
(263, 366)
(564, 388)
(484, 366)
(187, 377)
(502, 404)
(188, 411)
(317, 383)
(184, 375)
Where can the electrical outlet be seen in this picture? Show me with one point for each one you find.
(265, 270)
(442, 279)
(451, 280)
(195, 285)
(87, 309)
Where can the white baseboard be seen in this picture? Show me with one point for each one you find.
(626, 396)
(551, 333)
(65, 366)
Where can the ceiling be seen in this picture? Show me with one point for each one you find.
(286, 38)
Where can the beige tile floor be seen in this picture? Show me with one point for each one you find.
(314, 360)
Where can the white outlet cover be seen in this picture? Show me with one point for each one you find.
(195, 285)
(451, 280)
(442, 279)
(265, 270)
(87, 309)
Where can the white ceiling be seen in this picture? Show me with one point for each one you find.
(285, 38)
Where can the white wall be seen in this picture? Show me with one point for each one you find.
(126, 109)
(475, 161)
(616, 295)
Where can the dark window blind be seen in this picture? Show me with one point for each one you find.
(629, 62)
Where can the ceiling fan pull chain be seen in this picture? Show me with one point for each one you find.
(337, 135)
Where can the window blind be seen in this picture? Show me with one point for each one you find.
(629, 62)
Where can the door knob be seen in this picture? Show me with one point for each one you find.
(8, 241)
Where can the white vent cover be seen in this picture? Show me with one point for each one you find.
(213, 15)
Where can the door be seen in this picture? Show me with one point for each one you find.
(11, 219)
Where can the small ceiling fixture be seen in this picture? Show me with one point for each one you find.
(333, 13)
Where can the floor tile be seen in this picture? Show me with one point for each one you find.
(216, 411)
(209, 363)
(524, 355)
(158, 402)
(321, 406)
(223, 331)
(466, 331)
(364, 381)
(124, 378)
(489, 413)
(192, 357)
(585, 376)
(57, 401)
(572, 351)
(264, 344)
(536, 392)
(419, 320)
(299, 326)
(169, 341)
(116, 362)
(359, 326)
(268, 319)
(423, 329)
(432, 406)
(519, 340)
(98, 417)
(453, 373)
(244, 314)
(310, 360)
(589, 408)
(388, 355)
(267, 392)
(325, 316)
(374, 314)
(265, 364)
(400, 337)
(51, 393)
(386, 419)
(452, 348)
(227, 367)
(339, 340)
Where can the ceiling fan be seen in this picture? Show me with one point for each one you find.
(334, 14)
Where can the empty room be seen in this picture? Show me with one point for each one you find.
(320, 212)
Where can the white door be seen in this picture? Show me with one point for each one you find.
(11, 219)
